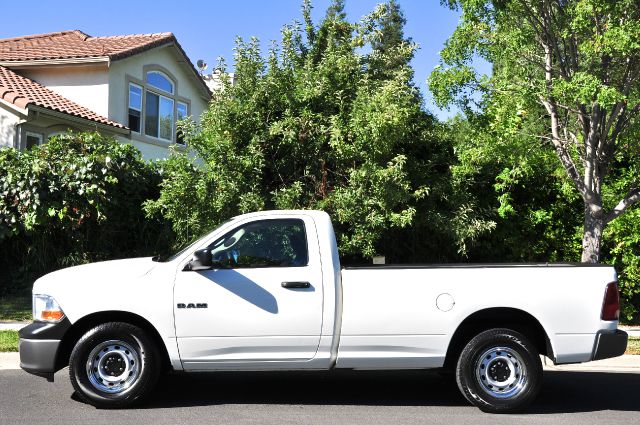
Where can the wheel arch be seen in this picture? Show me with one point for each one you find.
(497, 317)
(81, 326)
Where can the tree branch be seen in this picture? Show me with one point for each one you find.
(631, 198)
(563, 155)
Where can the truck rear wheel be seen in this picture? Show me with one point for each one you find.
(499, 371)
(114, 365)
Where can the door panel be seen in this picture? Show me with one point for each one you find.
(249, 315)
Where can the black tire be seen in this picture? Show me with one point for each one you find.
(114, 365)
(499, 371)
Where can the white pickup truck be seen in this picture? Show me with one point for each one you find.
(265, 291)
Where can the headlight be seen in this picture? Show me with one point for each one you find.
(46, 309)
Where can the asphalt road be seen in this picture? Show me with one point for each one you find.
(328, 398)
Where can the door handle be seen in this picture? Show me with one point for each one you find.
(294, 285)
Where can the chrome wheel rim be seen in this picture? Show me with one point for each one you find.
(113, 366)
(501, 372)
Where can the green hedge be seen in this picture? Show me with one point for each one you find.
(74, 200)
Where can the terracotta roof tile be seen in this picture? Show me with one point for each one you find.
(22, 92)
(76, 44)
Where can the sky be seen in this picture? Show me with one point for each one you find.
(207, 29)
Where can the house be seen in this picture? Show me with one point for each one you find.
(133, 87)
(215, 82)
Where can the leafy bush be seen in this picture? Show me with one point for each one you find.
(74, 200)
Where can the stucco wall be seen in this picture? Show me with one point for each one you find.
(87, 85)
(149, 151)
(8, 121)
(132, 69)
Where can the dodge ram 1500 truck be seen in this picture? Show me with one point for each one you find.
(265, 291)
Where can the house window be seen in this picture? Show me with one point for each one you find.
(33, 139)
(135, 107)
(182, 111)
(166, 118)
(154, 107)
(158, 121)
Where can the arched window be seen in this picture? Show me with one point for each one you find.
(160, 81)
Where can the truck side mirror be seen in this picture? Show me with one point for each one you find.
(202, 260)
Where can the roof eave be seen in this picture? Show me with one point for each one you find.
(61, 61)
(21, 111)
(78, 119)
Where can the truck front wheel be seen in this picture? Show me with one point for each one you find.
(499, 371)
(114, 365)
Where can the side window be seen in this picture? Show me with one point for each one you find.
(182, 110)
(135, 107)
(265, 243)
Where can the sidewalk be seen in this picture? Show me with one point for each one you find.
(12, 326)
(626, 363)
(631, 330)
(9, 361)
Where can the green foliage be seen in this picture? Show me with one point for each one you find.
(534, 211)
(9, 341)
(317, 124)
(73, 200)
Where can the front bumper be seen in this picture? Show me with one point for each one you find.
(39, 346)
(610, 344)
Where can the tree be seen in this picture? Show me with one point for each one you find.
(330, 119)
(571, 65)
(390, 50)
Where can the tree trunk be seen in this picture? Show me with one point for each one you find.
(592, 237)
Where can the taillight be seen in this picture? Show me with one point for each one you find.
(611, 303)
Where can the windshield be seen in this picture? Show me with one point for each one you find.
(170, 257)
